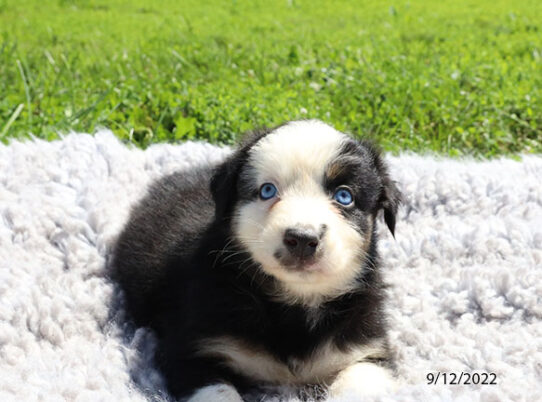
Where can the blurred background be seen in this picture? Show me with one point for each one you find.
(453, 76)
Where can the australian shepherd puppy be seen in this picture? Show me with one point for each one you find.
(263, 270)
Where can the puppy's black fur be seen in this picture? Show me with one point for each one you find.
(184, 275)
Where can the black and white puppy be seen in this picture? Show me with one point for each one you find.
(264, 269)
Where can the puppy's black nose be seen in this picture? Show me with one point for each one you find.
(301, 243)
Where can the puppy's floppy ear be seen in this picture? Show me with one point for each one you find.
(390, 199)
(224, 183)
(224, 180)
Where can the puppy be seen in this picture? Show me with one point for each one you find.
(263, 270)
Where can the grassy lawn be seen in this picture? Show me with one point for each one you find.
(453, 76)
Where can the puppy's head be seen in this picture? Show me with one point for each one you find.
(302, 199)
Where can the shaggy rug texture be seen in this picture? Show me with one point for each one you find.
(465, 271)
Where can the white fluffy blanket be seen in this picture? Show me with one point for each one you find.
(465, 270)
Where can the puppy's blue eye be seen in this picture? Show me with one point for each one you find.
(267, 191)
(343, 196)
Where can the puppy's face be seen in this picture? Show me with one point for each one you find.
(307, 196)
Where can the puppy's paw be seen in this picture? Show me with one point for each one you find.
(216, 393)
(362, 379)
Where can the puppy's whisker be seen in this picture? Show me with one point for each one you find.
(251, 265)
(233, 255)
(251, 241)
(253, 222)
(220, 252)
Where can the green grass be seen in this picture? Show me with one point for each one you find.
(457, 77)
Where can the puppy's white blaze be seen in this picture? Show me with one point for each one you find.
(294, 158)
(297, 148)
(256, 363)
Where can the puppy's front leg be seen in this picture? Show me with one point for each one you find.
(216, 393)
(362, 379)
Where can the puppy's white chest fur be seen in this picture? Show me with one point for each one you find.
(254, 362)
